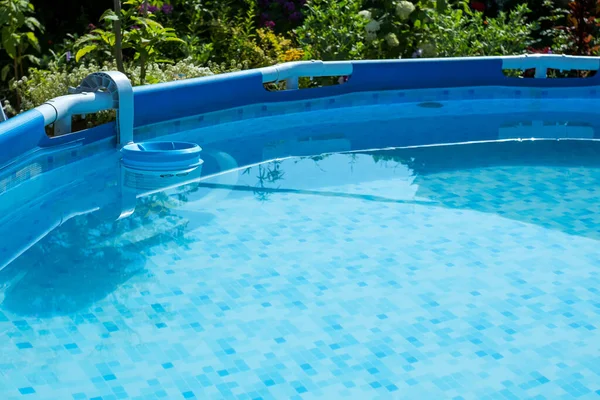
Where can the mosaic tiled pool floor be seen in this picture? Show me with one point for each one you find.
(360, 276)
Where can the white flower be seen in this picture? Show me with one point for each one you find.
(372, 26)
(366, 14)
(404, 9)
(428, 50)
(392, 40)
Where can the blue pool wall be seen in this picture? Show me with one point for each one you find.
(196, 96)
(249, 148)
(25, 133)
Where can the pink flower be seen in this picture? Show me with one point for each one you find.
(270, 24)
(167, 8)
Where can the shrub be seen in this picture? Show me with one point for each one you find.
(41, 85)
(140, 32)
(238, 39)
(394, 28)
(333, 30)
(463, 32)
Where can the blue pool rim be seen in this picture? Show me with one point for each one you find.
(25, 133)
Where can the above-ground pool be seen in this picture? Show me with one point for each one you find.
(397, 243)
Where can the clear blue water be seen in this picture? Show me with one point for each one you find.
(463, 271)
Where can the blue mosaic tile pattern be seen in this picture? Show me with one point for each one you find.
(364, 276)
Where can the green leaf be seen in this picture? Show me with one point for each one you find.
(85, 50)
(34, 24)
(172, 39)
(109, 15)
(33, 40)
(32, 59)
(85, 39)
(9, 43)
(5, 71)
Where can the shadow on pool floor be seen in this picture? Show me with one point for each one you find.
(87, 259)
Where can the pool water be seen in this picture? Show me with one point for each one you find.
(463, 271)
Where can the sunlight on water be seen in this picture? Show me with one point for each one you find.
(438, 271)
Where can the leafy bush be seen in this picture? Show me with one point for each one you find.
(239, 40)
(394, 28)
(463, 32)
(333, 30)
(228, 35)
(42, 85)
(17, 27)
(18, 33)
(139, 30)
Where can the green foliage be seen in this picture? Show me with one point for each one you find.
(143, 35)
(235, 38)
(333, 30)
(555, 16)
(395, 28)
(461, 31)
(235, 42)
(98, 42)
(18, 34)
(60, 56)
(41, 85)
(164, 40)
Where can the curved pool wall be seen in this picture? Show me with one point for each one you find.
(158, 103)
(470, 97)
(48, 182)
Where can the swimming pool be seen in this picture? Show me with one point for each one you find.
(401, 243)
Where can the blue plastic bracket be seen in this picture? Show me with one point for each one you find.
(2, 114)
(290, 72)
(541, 63)
(119, 87)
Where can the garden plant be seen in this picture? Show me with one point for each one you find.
(162, 40)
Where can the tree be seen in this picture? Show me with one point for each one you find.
(118, 38)
(18, 33)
